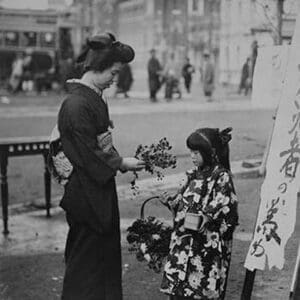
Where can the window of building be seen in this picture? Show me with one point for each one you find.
(29, 39)
(11, 38)
(48, 39)
(196, 7)
(175, 4)
(1, 38)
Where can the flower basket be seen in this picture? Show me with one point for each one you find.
(149, 239)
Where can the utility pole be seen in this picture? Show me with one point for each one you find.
(279, 21)
(210, 23)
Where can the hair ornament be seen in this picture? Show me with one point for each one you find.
(225, 135)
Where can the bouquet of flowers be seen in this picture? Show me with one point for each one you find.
(155, 156)
(150, 239)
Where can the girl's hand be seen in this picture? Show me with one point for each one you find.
(170, 199)
(165, 197)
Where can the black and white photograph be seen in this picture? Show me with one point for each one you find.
(149, 149)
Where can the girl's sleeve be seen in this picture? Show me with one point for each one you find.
(79, 140)
(222, 212)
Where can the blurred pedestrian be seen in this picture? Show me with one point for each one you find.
(93, 249)
(254, 49)
(15, 80)
(246, 77)
(205, 216)
(29, 68)
(187, 71)
(125, 80)
(171, 74)
(154, 75)
(208, 78)
(66, 70)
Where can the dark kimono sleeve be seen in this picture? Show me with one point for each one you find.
(222, 211)
(79, 139)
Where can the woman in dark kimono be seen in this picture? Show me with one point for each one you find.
(93, 252)
(205, 212)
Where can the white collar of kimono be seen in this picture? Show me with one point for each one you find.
(95, 89)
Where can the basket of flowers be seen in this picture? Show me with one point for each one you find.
(149, 239)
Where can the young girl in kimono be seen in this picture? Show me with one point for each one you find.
(205, 216)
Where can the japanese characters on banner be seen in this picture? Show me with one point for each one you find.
(269, 74)
(277, 212)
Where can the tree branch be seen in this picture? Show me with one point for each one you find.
(270, 24)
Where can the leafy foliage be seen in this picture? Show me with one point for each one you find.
(156, 157)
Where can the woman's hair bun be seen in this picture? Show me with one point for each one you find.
(101, 50)
(101, 41)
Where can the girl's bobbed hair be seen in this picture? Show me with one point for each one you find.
(212, 144)
(102, 51)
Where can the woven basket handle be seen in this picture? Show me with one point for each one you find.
(142, 215)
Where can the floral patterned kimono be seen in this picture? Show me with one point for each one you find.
(198, 262)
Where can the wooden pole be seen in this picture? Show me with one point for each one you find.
(248, 285)
(295, 286)
(279, 21)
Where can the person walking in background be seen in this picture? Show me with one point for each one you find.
(187, 71)
(93, 249)
(208, 78)
(171, 74)
(246, 77)
(205, 216)
(15, 80)
(125, 80)
(254, 49)
(66, 68)
(154, 73)
(29, 68)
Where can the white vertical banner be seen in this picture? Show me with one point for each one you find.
(269, 75)
(277, 212)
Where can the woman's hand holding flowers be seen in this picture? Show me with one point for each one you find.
(156, 157)
(132, 164)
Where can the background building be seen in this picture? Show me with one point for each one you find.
(170, 26)
(45, 32)
(226, 28)
(246, 21)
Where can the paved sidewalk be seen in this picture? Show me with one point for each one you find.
(225, 99)
(131, 106)
(31, 232)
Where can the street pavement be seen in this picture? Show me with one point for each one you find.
(225, 99)
(126, 107)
